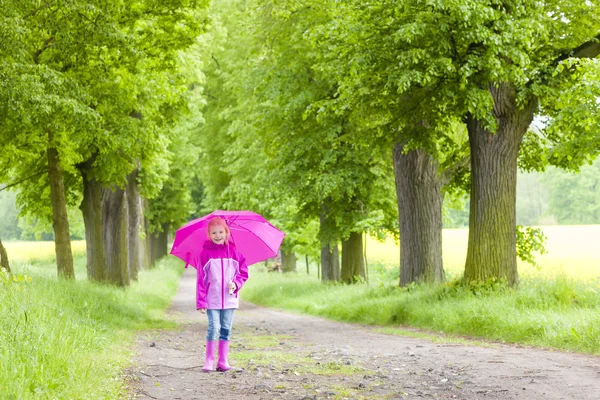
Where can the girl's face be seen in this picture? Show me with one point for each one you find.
(218, 234)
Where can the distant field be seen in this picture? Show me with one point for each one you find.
(25, 250)
(572, 250)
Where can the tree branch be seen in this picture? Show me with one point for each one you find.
(34, 12)
(590, 49)
(38, 53)
(22, 180)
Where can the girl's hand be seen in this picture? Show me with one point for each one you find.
(202, 310)
(232, 287)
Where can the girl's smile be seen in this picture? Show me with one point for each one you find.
(218, 235)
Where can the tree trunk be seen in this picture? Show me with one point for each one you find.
(326, 263)
(4, 258)
(134, 244)
(146, 253)
(91, 208)
(330, 263)
(420, 216)
(288, 261)
(60, 221)
(306, 261)
(336, 268)
(159, 243)
(330, 257)
(491, 251)
(353, 266)
(114, 233)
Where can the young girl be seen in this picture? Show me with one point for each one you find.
(222, 272)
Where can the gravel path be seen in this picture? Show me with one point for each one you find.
(280, 355)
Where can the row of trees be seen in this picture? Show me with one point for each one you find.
(330, 118)
(312, 106)
(93, 100)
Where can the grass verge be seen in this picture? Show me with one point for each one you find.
(558, 313)
(71, 339)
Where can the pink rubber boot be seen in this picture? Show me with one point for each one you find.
(223, 365)
(209, 365)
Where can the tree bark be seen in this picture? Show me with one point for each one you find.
(134, 244)
(491, 251)
(330, 263)
(330, 257)
(60, 221)
(114, 234)
(4, 258)
(288, 261)
(146, 253)
(420, 216)
(91, 208)
(306, 261)
(353, 266)
(159, 243)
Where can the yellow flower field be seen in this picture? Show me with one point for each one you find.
(25, 250)
(572, 250)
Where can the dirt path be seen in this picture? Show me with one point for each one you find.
(289, 356)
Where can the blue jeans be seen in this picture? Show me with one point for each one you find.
(219, 321)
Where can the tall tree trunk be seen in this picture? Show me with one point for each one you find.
(336, 266)
(326, 266)
(60, 221)
(4, 258)
(330, 257)
(288, 261)
(134, 244)
(353, 266)
(91, 208)
(420, 216)
(160, 243)
(491, 251)
(114, 233)
(306, 261)
(146, 253)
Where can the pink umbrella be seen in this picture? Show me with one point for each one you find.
(254, 237)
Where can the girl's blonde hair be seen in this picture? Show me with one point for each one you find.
(218, 221)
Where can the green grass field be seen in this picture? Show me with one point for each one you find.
(72, 339)
(555, 305)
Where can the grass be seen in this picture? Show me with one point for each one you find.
(559, 313)
(72, 339)
(554, 306)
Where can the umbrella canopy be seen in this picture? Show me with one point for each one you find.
(253, 236)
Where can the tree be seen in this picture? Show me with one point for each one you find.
(9, 228)
(4, 264)
(334, 176)
(97, 93)
(494, 65)
(427, 149)
(574, 198)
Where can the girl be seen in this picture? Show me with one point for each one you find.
(222, 271)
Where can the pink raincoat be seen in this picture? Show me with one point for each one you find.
(219, 264)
